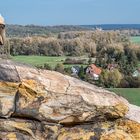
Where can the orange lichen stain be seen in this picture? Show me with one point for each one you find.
(12, 136)
(122, 109)
(123, 130)
(116, 135)
(8, 88)
(130, 127)
(30, 95)
(119, 110)
(9, 84)
(32, 83)
(32, 88)
(75, 134)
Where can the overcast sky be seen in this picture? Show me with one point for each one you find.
(70, 12)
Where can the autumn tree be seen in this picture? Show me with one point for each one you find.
(110, 78)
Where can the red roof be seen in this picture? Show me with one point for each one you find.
(95, 69)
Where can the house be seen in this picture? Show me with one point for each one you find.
(94, 71)
(75, 70)
(136, 73)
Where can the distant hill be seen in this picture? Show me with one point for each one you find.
(20, 30)
(29, 30)
(113, 26)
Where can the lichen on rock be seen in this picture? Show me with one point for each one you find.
(47, 105)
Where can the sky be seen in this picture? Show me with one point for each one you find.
(70, 12)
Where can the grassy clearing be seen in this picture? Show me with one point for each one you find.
(40, 60)
(131, 94)
(135, 39)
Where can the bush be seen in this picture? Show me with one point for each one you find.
(44, 66)
(39, 67)
(130, 82)
(47, 66)
(110, 78)
(74, 61)
(124, 84)
(68, 70)
(59, 67)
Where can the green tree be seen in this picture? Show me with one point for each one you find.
(103, 79)
(114, 78)
(127, 61)
(110, 78)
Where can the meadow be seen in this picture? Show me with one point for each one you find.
(135, 39)
(131, 94)
(40, 60)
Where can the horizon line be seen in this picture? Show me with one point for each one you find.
(73, 24)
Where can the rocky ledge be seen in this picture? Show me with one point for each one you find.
(46, 105)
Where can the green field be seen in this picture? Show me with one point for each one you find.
(131, 94)
(40, 60)
(135, 39)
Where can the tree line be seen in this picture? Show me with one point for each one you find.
(30, 30)
(75, 43)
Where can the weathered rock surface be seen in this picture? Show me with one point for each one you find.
(46, 105)
(133, 113)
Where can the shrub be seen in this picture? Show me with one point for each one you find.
(59, 67)
(74, 61)
(110, 78)
(47, 66)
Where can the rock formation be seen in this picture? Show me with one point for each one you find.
(4, 43)
(2, 30)
(46, 105)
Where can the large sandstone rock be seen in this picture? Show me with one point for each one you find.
(39, 104)
(133, 113)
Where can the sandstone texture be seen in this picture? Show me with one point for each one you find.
(46, 105)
